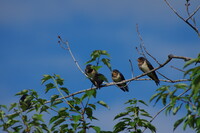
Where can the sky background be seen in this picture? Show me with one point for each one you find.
(29, 48)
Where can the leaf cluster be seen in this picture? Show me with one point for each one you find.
(74, 115)
(134, 118)
(188, 100)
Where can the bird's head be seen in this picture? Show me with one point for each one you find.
(141, 60)
(115, 72)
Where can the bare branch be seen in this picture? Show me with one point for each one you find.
(169, 81)
(170, 57)
(177, 69)
(142, 47)
(139, 51)
(191, 15)
(182, 57)
(68, 48)
(141, 41)
(128, 80)
(131, 68)
(185, 20)
(164, 76)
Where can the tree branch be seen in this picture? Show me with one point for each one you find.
(68, 48)
(128, 80)
(170, 57)
(185, 20)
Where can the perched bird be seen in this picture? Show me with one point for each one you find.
(95, 77)
(118, 77)
(146, 66)
(25, 102)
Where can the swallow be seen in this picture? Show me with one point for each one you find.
(95, 77)
(146, 66)
(25, 102)
(117, 76)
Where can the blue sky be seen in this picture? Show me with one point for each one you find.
(29, 49)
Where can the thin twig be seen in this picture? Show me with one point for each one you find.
(143, 48)
(170, 57)
(128, 80)
(63, 97)
(164, 80)
(141, 40)
(191, 15)
(194, 28)
(165, 107)
(165, 76)
(139, 51)
(131, 67)
(177, 69)
(68, 48)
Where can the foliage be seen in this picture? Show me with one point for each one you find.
(65, 112)
(72, 115)
(134, 118)
(96, 57)
(188, 100)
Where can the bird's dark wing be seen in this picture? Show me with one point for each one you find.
(153, 74)
(149, 65)
(122, 76)
(123, 86)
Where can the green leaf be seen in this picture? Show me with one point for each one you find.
(141, 101)
(121, 115)
(44, 126)
(164, 98)
(22, 92)
(57, 102)
(151, 127)
(176, 109)
(106, 61)
(154, 96)
(119, 127)
(58, 122)
(190, 62)
(103, 104)
(76, 118)
(12, 106)
(3, 106)
(181, 86)
(38, 117)
(13, 115)
(44, 109)
(96, 54)
(146, 114)
(97, 129)
(89, 112)
(49, 87)
(178, 122)
(45, 78)
(104, 52)
(93, 106)
(54, 118)
(65, 90)
(59, 80)
(91, 93)
(96, 67)
(53, 97)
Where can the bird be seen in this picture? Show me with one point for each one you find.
(146, 66)
(95, 77)
(117, 76)
(25, 102)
